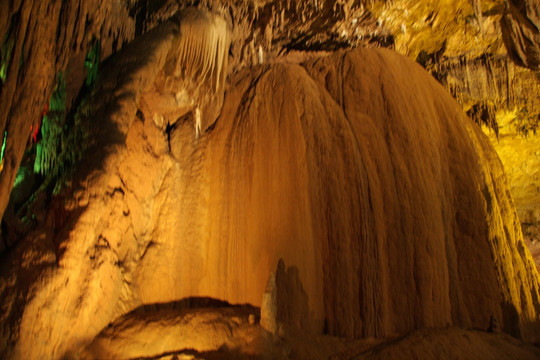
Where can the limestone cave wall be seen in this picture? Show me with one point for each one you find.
(354, 172)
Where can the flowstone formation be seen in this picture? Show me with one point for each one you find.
(236, 202)
(486, 54)
(357, 170)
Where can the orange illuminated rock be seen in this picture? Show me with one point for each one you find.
(387, 205)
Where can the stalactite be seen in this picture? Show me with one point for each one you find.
(204, 43)
(477, 7)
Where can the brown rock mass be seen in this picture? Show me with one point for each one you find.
(357, 170)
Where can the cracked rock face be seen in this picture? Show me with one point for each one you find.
(357, 170)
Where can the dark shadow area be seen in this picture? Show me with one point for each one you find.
(170, 129)
(510, 320)
(117, 72)
(142, 11)
(292, 299)
(285, 305)
(191, 303)
(221, 354)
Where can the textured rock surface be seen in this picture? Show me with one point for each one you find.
(521, 32)
(165, 334)
(454, 344)
(520, 156)
(501, 221)
(461, 44)
(477, 50)
(146, 333)
(47, 37)
(490, 88)
(357, 169)
(459, 41)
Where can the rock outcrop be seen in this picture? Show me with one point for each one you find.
(520, 156)
(485, 53)
(357, 169)
(490, 88)
(150, 333)
(40, 40)
(461, 44)
(521, 32)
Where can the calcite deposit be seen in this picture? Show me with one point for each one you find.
(311, 203)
